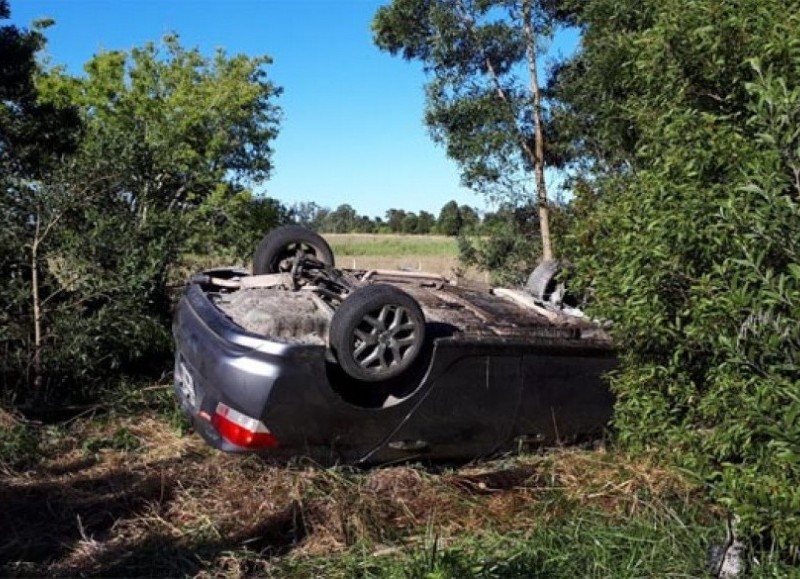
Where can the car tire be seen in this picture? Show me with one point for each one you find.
(284, 242)
(377, 333)
(542, 281)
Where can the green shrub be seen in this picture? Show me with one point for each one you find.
(508, 244)
(19, 446)
(694, 254)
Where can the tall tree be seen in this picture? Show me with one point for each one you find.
(343, 219)
(477, 52)
(307, 214)
(410, 223)
(169, 125)
(394, 219)
(425, 222)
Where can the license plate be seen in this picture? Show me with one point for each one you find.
(185, 383)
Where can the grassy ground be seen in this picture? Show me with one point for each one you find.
(390, 244)
(136, 494)
(432, 253)
(133, 492)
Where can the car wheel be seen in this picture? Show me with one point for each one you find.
(542, 281)
(276, 249)
(377, 333)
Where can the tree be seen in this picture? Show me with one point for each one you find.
(469, 217)
(410, 223)
(365, 225)
(684, 118)
(34, 137)
(308, 214)
(394, 219)
(476, 52)
(425, 222)
(172, 124)
(450, 221)
(504, 243)
(169, 139)
(343, 219)
(33, 134)
(243, 225)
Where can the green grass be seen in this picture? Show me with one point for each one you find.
(391, 245)
(429, 253)
(587, 543)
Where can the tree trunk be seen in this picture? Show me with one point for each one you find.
(37, 309)
(39, 236)
(538, 153)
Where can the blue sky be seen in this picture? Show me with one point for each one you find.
(352, 130)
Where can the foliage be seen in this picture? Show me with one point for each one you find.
(33, 138)
(450, 220)
(175, 130)
(454, 219)
(506, 246)
(19, 446)
(307, 214)
(33, 134)
(684, 118)
(483, 97)
(507, 243)
(169, 140)
(229, 228)
(344, 219)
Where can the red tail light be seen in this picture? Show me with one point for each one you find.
(242, 430)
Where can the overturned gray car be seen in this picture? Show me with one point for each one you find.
(299, 358)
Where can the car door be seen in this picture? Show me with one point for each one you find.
(466, 409)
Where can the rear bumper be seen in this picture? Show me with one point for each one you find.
(216, 362)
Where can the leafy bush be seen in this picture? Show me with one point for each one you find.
(508, 244)
(19, 445)
(692, 245)
(89, 244)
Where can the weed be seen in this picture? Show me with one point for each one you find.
(122, 440)
(19, 446)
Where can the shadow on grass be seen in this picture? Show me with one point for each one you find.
(166, 556)
(44, 521)
(79, 526)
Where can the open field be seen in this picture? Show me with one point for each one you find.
(139, 495)
(431, 253)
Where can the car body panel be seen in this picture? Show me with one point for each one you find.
(476, 391)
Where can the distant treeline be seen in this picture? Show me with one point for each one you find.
(452, 219)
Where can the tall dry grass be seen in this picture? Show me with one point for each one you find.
(136, 496)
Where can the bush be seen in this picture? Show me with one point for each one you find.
(89, 243)
(19, 443)
(695, 256)
(508, 243)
